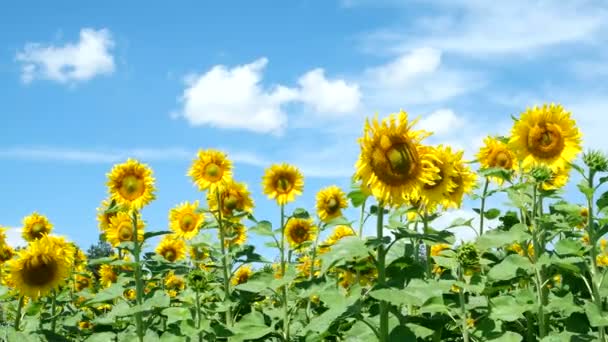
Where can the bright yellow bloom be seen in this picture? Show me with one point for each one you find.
(80, 259)
(41, 267)
(242, 275)
(2, 235)
(150, 286)
(330, 202)
(557, 279)
(104, 307)
(130, 294)
(107, 275)
(585, 217)
(131, 184)
(121, 229)
(35, 227)
(517, 248)
(392, 161)
(85, 325)
(298, 231)
(602, 260)
(174, 282)
(283, 183)
(545, 135)
(438, 269)
(235, 234)
(433, 194)
(210, 169)
(559, 179)
(83, 281)
(171, 248)
(470, 323)
(496, 153)
(585, 239)
(346, 278)
(234, 197)
(278, 273)
(304, 266)
(465, 182)
(339, 232)
(185, 221)
(438, 248)
(104, 214)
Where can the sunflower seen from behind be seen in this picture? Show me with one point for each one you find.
(131, 184)
(185, 220)
(392, 162)
(210, 169)
(121, 229)
(40, 268)
(235, 198)
(35, 226)
(299, 230)
(172, 248)
(465, 180)
(330, 202)
(283, 182)
(546, 135)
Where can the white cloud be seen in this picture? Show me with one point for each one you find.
(328, 96)
(72, 62)
(407, 67)
(13, 237)
(442, 121)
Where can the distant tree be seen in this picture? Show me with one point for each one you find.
(100, 250)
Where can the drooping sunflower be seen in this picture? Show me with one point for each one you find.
(105, 212)
(107, 275)
(433, 194)
(392, 162)
(339, 232)
(496, 153)
(299, 230)
(283, 182)
(121, 229)
(465, 182)
(235, 234)
(242, 275)
(234, 197)
(210, 169)
(545, 135)
(131, 184)
(174, 282)
(330, 202)
(171, 248)
(559, 179)
(35, 227)
(83, 281)
(40, 268)
(185, 221)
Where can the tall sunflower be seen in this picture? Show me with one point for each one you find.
(131, 184)
(185, 221)
(465, 182)
(40, 268)
(330, 202)
(392, 162)
(496, 153)
(171, 248)
(107, 275)
(298, 231)
(434, 194)
(545, 135)
(235, 235)
(283, 182)
(35, 227)
(242, 275)
(121, 229)
(235, 198)
(210, 169)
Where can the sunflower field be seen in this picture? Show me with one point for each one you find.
(534, 271)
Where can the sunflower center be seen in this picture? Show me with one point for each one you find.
(125, 233)
(132, 187)
(299, 234)
(545, 140)
(394, 163)
(333, 205)
(187, 222)
(283, 185)
(40, 271)
(502, 160)
(231, 202)
(38, 230)
(170, 255)
(213, 172)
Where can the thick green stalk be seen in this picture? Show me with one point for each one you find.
(53, 311)
(225, 270)
(381, 273)
(542, 324)
(283, 268)
(18, 316)
(312, 267)
(198, 314)
(427, 249)
(483, 205)
(361, 218)
(593, 238)
(463, 310)
(138, 282)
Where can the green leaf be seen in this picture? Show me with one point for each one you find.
(508, 336)
(565, 306)
(359, 332)
(257, 283)
(169, 337)
(111, 293)
(263, 228)
(337, 304)
(357, 198)
(346, 249)
(492, 214)
(101, 337)
(507, 268)
(251, 327)
(569, 246)
(176, 314)
(585, 189)
(416, 293)
(560, 337)
(301, 213)
(148, 235)
(505, 308)
(602, 201)
(419, 330)
(497, 238)
(595, 316)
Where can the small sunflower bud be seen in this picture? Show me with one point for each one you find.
(541, 174)
(468, 256)
(197, 280)
(596, 161)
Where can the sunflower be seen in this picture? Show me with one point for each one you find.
(305, 264)
(130, 294)
(339, 232)
(184, 220)
(496, 153)
(121, 229)
(174, 282)
(105, 212)
(40, 268)
(234, 197)
(171, 248)
(465, 182)
(198, 253)
(330, 202)
(545, 135)
(242, 275)
(131, 184)
(236, 234)
(83, 281)
(210, 169)
(298, 231)
(438, 248)
(107, 275)
(283, 182)
(433, 194)
(35, 227)
(392, 161)
(559, 179)
(6, 252)
(2, 234)
(80, 259)
(85, 325)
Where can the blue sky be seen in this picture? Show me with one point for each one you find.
(85, 87)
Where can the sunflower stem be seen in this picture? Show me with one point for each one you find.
(361, 218)
(18, 316)
(542, 326)
(198, 314)
(283, 267)
(463, 310)
(224, 257)
(483, 205)
(53, 309)
(312, 270)
(381, 273)
(139, 293)
(427, 247)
